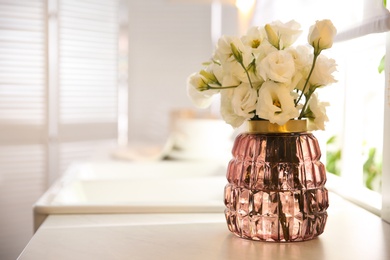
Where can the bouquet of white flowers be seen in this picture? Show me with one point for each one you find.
(262, 76)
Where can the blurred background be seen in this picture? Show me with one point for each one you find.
(79, 79)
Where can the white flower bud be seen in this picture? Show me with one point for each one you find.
(321, 35)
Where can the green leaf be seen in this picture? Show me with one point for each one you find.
(381, 66)
(332, 160)
(331, 140)
(372, 169)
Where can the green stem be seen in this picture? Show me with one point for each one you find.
(307, 80)
(237, 54)
(305, 105)
(246, 72)
(209, 87)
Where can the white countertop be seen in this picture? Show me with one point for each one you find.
(351, 233)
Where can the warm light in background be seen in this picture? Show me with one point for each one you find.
(245, 13)
(245, 6)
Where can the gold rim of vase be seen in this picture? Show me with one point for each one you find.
(264, 126)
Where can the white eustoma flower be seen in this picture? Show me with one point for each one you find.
(318, 115)
(287, 33)
(230, 80)
(277, 66)
(322, 73)
(303, 60)
(199, 85)
(275, 103)
(227, 110)
(254, 37)
(224, 52)
(263, 50)
(234, 57)
(244, 100)
(197, 91)
(255, 46)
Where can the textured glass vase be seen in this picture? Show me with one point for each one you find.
(276, 184)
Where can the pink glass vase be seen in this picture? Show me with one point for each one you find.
(276, 183)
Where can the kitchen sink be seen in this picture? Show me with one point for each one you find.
(135, 187)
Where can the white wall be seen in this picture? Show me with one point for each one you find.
(167, 42)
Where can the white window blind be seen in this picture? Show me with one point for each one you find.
(88, 42)
(87, 80)
(22, 63)
(88, 69)
(58, 99)
(22, 119)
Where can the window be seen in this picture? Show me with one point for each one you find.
(355, 136)
(358, 117)
(64, 87)
(58, 98)
(83, 79)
